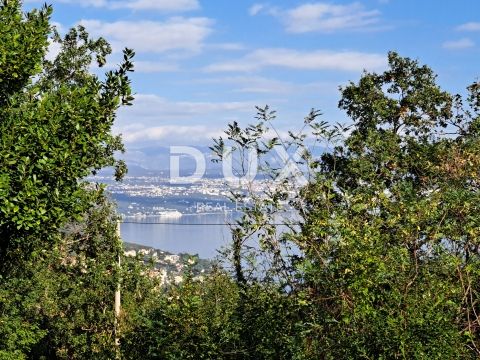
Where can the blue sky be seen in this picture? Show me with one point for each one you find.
(203, 63)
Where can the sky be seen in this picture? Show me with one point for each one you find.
(201, 64)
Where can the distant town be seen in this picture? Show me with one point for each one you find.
(169, 268)
(146, 196)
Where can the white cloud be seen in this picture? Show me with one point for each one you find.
(156, 5)
(140, 66)
(251, 84)
(160, 108)
(327, 17)
(171, 134)
(254, 84)
(459, 44)
(150, 110)
(96, 3)
(322, 17)
(54, 49)
(156, 118)
(227, 46)
(470, 26)
(314, 60)
(255, 9)
(159, 5)
(177, 33)
(263, 85)
(58, 26)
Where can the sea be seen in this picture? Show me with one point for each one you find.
(201, 234)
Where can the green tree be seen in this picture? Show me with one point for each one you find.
(79, 278)
(216, 319)
(55, 129)
(55, 126)
(62, 307)
(391, 231)
(386, 228)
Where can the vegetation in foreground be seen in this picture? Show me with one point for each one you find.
(381, 260)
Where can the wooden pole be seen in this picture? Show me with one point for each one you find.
(117, 298)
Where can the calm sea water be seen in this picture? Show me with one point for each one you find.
(194, 234)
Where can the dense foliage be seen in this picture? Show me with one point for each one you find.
(55, 128)
(376, 256)
(391, 230)
(379, 259)
(56, 284)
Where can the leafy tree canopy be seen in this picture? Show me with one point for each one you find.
(55, 126)
(387, 228)
(58, 242)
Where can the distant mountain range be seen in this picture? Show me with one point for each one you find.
(155, 161)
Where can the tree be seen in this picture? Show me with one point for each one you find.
(387, 227)
(202, 320)
(391, 232)
(55, 126)
(55, 129)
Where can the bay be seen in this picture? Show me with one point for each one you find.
(201, 234)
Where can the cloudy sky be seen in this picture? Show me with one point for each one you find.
(203, 63)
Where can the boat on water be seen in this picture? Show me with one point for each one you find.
(166, 213)
(172, 214)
